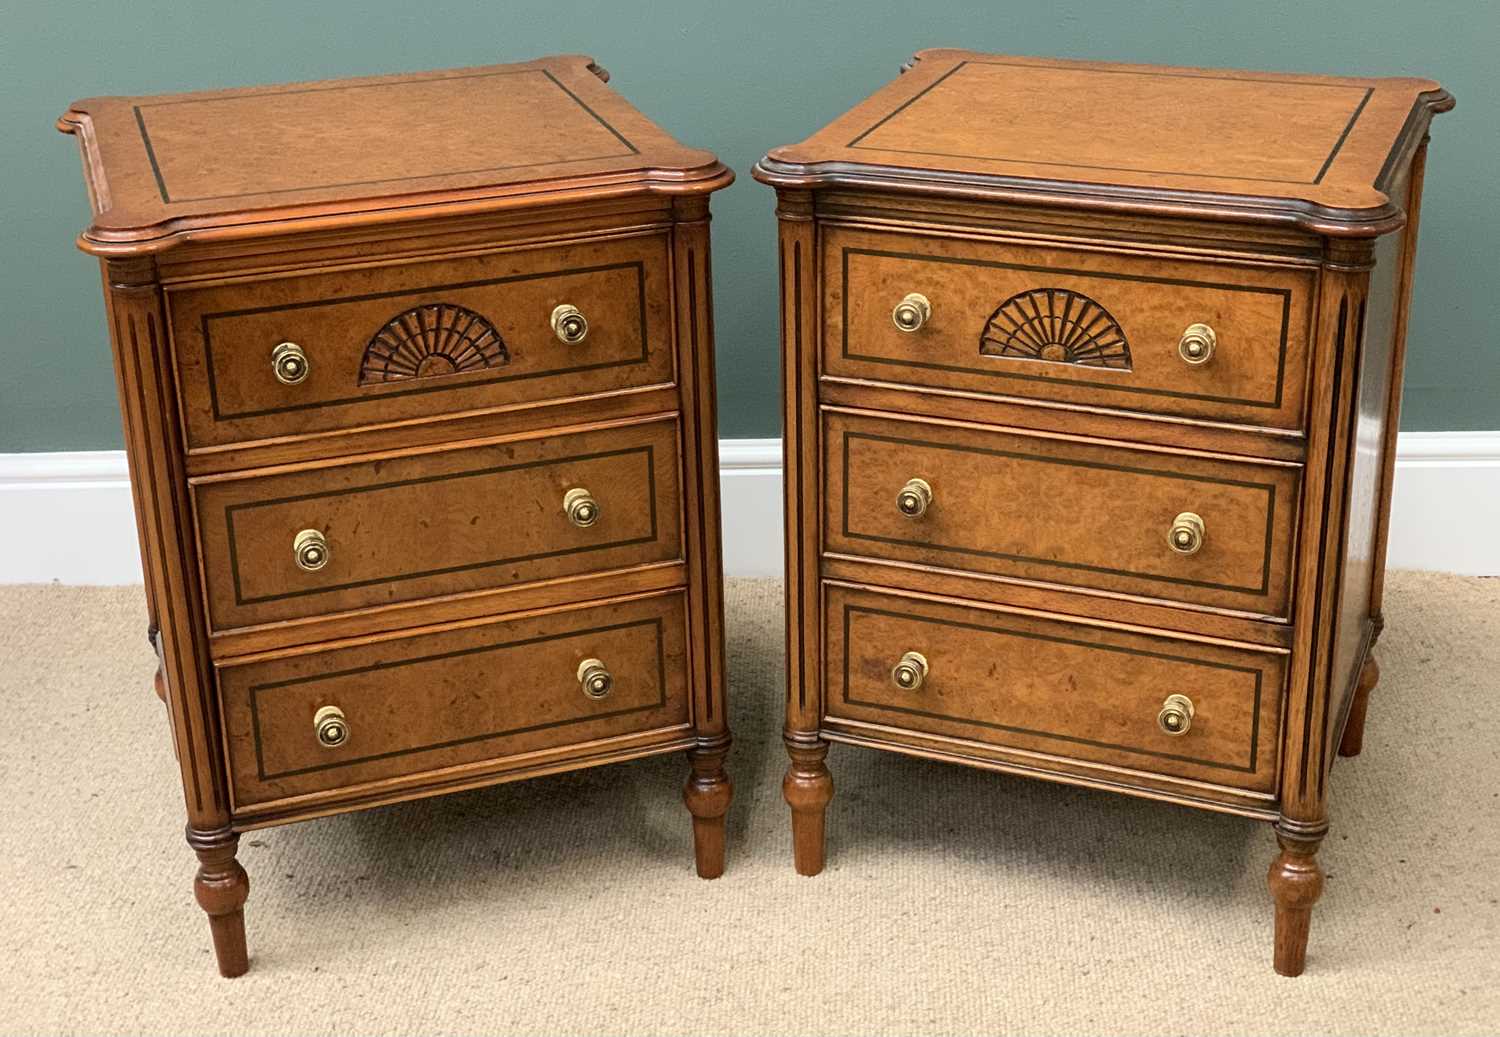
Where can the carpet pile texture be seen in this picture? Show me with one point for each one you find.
(954, 902)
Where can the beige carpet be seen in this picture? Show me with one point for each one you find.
(955, 901)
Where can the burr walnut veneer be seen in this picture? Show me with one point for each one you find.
(1092, 384)
(417, 380)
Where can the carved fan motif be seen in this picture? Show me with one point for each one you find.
(1058, 326)
(430, 341)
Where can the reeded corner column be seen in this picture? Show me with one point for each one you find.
(708, 790)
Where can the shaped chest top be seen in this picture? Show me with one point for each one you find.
(1310, 150)
(247, 161)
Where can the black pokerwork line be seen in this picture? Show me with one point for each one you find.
(1348, 128)
(638, 266)
(1285, 294)
(796, 551)
(161, 184)
(854, 145)
(256, 690)
(597, 117)
(1248, 768)
(706, 634)
(790, 532)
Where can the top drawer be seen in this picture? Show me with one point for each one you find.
(413, 340)
(1069, 325)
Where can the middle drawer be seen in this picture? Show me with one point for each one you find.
(1081, 513)
(329, 538)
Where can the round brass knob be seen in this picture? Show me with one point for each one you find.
(331, 727)
(1176, 716)
(1196, 346)
(1186, 535)
(915, 498)
(289, 363)
(580, 507)
(910, 672)
(310, 549)
(911, 312)
(569, 324)
(595, 679)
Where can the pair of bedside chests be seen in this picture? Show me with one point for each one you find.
(1091, 382)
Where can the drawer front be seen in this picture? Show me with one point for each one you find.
(1072, 512)
(1058, 688)
(434, 523)
(462, 696)
(1074, 326)
(415, 340)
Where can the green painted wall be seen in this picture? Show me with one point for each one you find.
(733, 77)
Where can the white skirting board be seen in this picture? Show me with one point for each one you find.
(67, 516)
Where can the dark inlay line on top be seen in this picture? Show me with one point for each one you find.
(855, 145)
(161, 184)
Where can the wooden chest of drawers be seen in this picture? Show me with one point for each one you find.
(417, 381)
(1092, 385)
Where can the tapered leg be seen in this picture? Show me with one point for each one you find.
(1354, 730)
(808, 787)
(221, 887)
(707, 796)
(1296, 882)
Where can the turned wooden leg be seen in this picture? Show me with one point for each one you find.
(707, 796)
(221, 887)
(1296, 882)
(1354, 729)
(807, 787)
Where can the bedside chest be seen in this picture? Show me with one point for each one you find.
(1092, 383)
(417, 381)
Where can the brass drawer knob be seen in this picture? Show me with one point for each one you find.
(1196, 346)
(1176, 716)
(1186, 535)
(569, 324)
(910, 673)
(580, 507)
(911, 312)
(915, 498)
(594, 678)
(289, 363)
(310, 549)
(331, 727)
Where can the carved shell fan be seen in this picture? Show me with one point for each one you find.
(432, 340)
(1058, 326)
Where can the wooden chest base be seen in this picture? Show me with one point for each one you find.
(1091, 392)
(418, 398)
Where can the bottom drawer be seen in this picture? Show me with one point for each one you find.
(1068, 690)
(462, 695)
